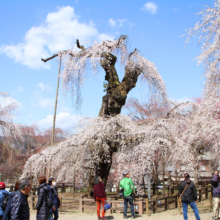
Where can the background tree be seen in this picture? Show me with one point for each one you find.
(207, 30)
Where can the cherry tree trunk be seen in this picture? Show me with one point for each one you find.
(103, 167)
(117, 91)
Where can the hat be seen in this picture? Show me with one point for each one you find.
(2, 185)
(125, 173)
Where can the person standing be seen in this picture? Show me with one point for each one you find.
(216, 194)
(42, 206)
(3, 193)
(19, 204)
(99, 196)
(7, 215)
(128, 186)
(188, 194)
(54, 198)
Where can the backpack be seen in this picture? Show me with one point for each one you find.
(121, 192)
(5, 200)
(49, 202)
(4, 197)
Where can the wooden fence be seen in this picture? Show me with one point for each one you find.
(142, 205)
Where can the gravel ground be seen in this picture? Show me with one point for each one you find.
(168, 215)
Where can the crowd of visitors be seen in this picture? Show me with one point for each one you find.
(14, 205)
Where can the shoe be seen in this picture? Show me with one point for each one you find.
(99, 218)
(125, 216)
(132, 216)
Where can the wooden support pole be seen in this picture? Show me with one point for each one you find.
(55, 108)
(147, 207)
(140, 207)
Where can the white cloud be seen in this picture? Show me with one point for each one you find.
(20, 89)
(175, 9)
(44, 87)
(39, 98)
(119, 22)
(102, 37)
(46, 103)
(150, 7)
(59, 31)
(30, 115)
(112, 22)
(64, 120)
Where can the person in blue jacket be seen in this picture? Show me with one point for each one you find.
(3, 193)
(54, 197)
(7, 214)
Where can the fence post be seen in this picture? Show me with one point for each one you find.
(206, 192)
(165, 203)
(211, 203)
(154, 191)
(61, 208)
(156, 205)
(81, 203)
(179, 209)
(147, 207)
(200, 195)
(140, 207)
(176, 201)
(62, 188)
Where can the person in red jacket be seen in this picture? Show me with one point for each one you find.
(99, 196)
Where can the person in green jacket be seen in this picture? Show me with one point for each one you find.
(127, 184)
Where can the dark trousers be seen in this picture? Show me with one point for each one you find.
(55, 214)
(128, 199)
(1, 217)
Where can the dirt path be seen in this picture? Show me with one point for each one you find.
(168, 215)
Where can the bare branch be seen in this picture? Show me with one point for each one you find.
(49, 58)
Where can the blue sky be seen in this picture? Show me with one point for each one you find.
(31, 30)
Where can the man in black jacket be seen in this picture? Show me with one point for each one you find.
(19, 204)
(188, 194)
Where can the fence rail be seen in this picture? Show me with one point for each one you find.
(142, 205)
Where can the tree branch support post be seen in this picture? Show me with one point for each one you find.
(55, 109)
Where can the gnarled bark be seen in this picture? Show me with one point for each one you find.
(117, 91)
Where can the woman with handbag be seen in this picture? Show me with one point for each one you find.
(188, 195)
(43, 204)
(99, 196)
